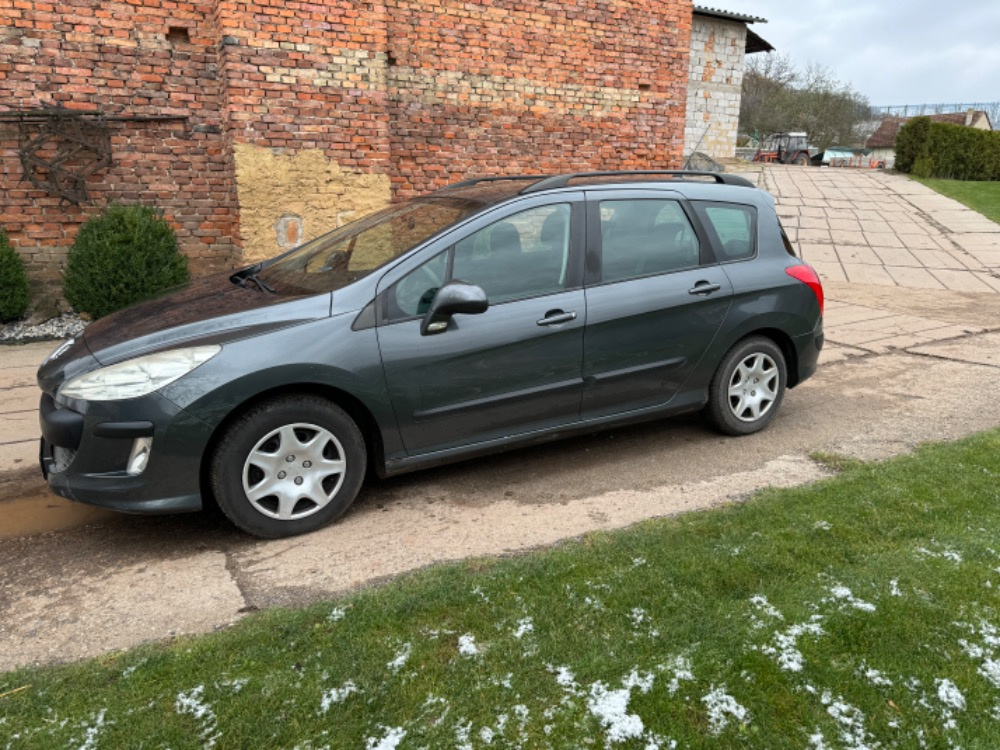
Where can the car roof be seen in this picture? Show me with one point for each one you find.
(489, 191)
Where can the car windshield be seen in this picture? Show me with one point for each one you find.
(349, 253)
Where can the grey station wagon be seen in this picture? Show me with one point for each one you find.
(495, 313)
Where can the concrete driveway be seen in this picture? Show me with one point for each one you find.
(913, 331)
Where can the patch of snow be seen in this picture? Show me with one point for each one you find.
(486, 735)
(336, 614)
(400, 659)
(851, 722)
(681, 667)
(844, 594)
(92, 732)
(525, 626)
(761, 604)
(894, 587)
(638, 615)
(822, 526)
(817, 741)
(638, 561)
(337, 695)
(192, 702)
(393, 736)
(642, 681)
(949, 694)
(479, 592)
(873, 676)
(610, 707)
(467, 645)
(721, 707)
(785, 648)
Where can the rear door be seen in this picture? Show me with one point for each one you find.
(515, 368)
(655, 299)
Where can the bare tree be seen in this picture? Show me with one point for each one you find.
(778, 97)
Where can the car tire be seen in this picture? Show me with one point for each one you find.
(748, 387)
(288, 466)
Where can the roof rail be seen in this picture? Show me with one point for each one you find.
(561, 180)
(476, 180)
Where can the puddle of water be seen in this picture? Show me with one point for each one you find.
(41, 513)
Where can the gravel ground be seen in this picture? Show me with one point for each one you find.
(66, 325)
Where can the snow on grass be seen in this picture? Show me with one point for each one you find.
(894, 587)
(822, 526)
(762, 605)
(93, 731)
(721, 708)
(390, 741)
(399, 661)
(336, 614)
(851, 722)
(525, 626)
(949, 694)
(844, 594)
(467, 645)
(610, 707)
(873, 676)
(681, 667)
(784, 647)
(985, 651)
(945, 553)
(337, 695)
(192, 702)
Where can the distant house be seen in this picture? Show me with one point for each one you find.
(883, 141)
(720, 42)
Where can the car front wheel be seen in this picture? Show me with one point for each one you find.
(288, 466)
(748, 387)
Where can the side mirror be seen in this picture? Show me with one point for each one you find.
(452, 298)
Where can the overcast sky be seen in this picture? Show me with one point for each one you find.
(900, 52)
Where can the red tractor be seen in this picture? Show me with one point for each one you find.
(788, 148)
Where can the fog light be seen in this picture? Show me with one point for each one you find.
(139, 456)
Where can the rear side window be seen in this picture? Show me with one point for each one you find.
(644, 237)
(733, 226)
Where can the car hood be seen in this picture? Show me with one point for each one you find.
(208, 310)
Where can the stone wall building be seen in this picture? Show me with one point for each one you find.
(257, 124)
(720, 42)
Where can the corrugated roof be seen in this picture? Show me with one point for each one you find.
(701, 10)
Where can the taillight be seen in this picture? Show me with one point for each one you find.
(810, 278)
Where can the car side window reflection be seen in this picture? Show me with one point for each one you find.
(644, 237)
(523, 255)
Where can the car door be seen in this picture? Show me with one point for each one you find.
(510, 370)
(655, 299)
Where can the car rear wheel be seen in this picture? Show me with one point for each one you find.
(748, 387)
(288, 466)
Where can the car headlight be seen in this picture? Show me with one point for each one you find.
(139, 376)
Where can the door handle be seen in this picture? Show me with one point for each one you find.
(555, 317)
(704, 287)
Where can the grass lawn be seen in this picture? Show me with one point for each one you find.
(983, 197)
(860, 612)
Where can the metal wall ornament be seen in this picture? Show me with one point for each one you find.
(61, 149)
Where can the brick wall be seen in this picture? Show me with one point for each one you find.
(115, 56)
(521, 85)
(295, 116)
(718, 51)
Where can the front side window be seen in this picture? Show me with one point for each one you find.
(345, 255)
(643, 237)
(524, 255)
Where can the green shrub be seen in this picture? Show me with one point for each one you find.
(126, 255)
(953, 152)
(14, 293)
(911, 142)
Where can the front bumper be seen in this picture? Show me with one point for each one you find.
(85, 448)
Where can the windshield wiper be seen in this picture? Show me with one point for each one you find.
(250, 274)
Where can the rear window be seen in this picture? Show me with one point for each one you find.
(789, 247)
(734, 228)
